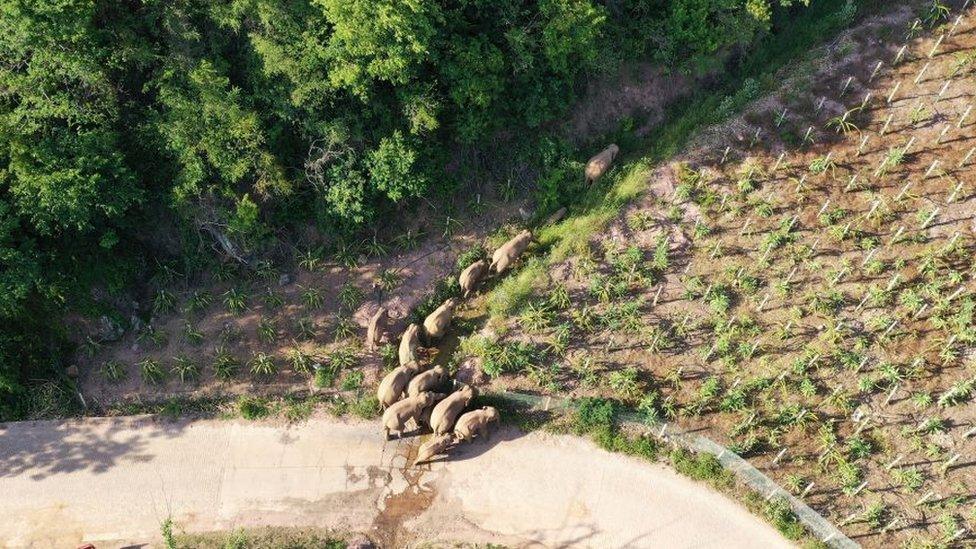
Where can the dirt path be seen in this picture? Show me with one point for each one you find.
(113, 481)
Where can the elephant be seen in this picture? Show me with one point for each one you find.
(599, 164)
(393, 385)
(475, 422)
(472, 275)
(446, 411)
(510, 251)
(395, 417)
(409, 343)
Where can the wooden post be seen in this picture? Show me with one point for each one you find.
(658, 294)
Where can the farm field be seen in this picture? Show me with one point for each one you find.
(798, 287)
(797, 284)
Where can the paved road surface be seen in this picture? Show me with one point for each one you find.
(114, 480)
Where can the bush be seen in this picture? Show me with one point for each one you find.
(700, 467)
(252, 407)
(594, 414)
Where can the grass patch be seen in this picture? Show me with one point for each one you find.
(262, 538)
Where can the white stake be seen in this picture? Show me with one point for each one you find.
(897, 234)
(942, 135)
(847, 84)
(864, 141)
(965, 115)
(867, 98)
(779, 161)
(931, 169)
(908, 147)
(901, 53)
(779, 456)
(945, 87)
(935, 48)
(955, 191)
(658, 294)
(966, 158)
(868, 257)
(921, 73)
(925, 498)
(725, 154)
(891, 96)
(890, 328)
(806, 490)
(781, 118)
(824, 207)
(850, 183)
(875, 71)
(893, 282)
(896, 461)
(887, 123)
(903, 191)
(956, 24)
(821, 104)
(956, 293)
(921, 310)
(763, 302)
(745, 226)
(891, 394)
(934, 213)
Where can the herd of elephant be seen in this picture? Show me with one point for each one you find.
(409, 394)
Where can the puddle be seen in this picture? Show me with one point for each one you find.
(404, 496)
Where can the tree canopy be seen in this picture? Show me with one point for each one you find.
(124, 123)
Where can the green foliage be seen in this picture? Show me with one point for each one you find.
(252, 408)
(172, 131)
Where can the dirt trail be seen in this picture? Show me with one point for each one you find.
(113, 481)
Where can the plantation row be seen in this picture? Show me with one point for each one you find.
(812, 306)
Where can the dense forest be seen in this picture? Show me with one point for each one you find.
(141, 133)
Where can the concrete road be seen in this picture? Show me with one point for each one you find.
(113, 481)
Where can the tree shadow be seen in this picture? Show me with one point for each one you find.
(39, 449)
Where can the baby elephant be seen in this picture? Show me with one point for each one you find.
(436, 323)
(393, 384)
(376, 327)
(427, 381)
(599, 164)
(446, 412)
(471, 277)
(409, 343)
(510, 251)
(395, 417)
(434, 447)
(475, 422)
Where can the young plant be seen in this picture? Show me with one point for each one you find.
(185, 369)
(152, 371)
(263, 365)
(114, 371)
(235, 300)
(225, 365)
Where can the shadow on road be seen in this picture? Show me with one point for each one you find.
(39, 449)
